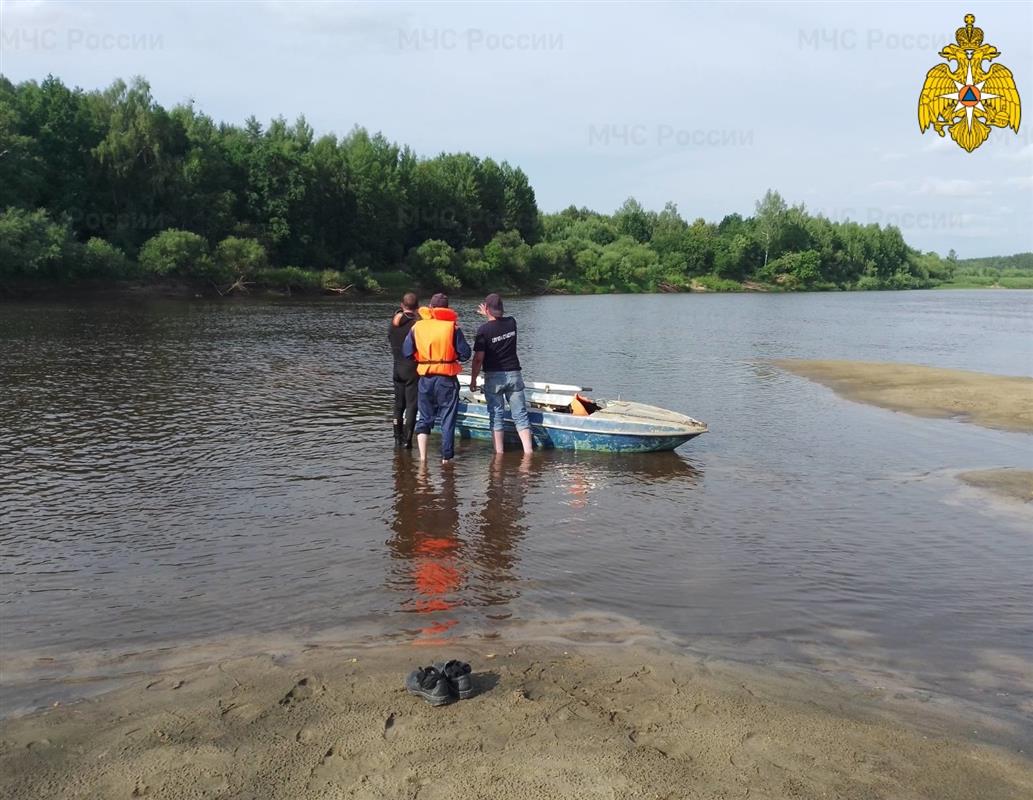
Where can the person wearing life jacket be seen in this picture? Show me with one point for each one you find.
(437, 345)
(403, 375)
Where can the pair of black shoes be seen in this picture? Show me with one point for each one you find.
(442, 683)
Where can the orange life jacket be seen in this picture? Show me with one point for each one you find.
(581, 406)
(434, 337)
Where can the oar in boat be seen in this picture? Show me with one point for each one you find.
(549, 388)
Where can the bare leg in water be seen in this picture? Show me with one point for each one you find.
(525, 440)
(421, 443)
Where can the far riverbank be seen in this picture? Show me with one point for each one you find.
(390, 285)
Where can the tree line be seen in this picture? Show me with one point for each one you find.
(109, 185)
(1007, 272)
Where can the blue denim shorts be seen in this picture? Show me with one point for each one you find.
(503, 387)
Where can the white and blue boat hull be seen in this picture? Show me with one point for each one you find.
(619, 427)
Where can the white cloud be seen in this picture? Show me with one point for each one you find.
(1022, 181)
(39, 13)
(938, 143)
(1023, 153)
(953, 187)
(340, 19)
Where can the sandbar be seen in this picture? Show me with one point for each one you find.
(993, 401)
(1013, 484)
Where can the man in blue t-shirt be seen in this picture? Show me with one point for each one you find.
(495, 351)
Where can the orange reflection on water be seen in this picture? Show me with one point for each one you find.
(435, 574)
(578, 489)
(449, 562)
(426, 536)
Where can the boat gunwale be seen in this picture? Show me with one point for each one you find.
(687, 431)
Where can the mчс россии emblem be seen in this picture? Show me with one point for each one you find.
(968, 100)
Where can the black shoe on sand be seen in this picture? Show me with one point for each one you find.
(430, 684)
(458, 675)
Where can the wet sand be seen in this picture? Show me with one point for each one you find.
(993, 401)
(549, 721)
(1013, 484)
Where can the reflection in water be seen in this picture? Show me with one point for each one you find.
(582, 476)
(442, 570)
(426, 527)
(501, 527)
(456, 542)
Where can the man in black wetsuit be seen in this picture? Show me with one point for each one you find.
(406, 381)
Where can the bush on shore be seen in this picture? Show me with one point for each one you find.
(32, 245)
(178, 254)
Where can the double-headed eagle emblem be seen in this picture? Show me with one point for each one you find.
(968, 100)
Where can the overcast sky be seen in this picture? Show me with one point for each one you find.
(704, 105)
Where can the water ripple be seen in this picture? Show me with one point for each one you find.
(172, 472)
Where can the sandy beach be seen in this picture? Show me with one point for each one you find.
(993, 401)
(1012, 484)
(548, 721)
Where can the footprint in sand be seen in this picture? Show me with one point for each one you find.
(334, 768)
(302, 691)
(397, 726)
(245, 713)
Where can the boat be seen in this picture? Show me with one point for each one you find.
(615, 426)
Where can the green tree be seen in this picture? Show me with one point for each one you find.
(239, 258)
(770, 213)
(668, 232)
(546, 260)
(634, 221)
(625, 264)
(32, 244)
(699, 248)
(595, 228)
(138, 159)
(794, 270)
(521, 206)
(737, 257)
(474, 270)
(489, 216)
(434, 263)
(101, 259)
(508, 256)
(176, 253)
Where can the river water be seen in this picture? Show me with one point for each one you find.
(180, 473)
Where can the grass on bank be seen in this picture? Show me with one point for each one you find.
(988, 282)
